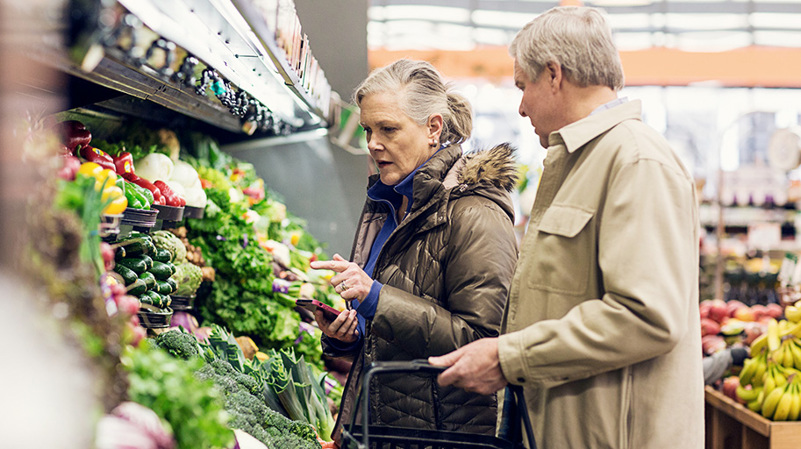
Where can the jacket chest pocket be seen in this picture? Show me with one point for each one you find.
(563, 251)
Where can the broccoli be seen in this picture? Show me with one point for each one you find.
(248, 412)
(179, 344)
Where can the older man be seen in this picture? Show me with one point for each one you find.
(601, 325)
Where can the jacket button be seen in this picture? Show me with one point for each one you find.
(521, 380)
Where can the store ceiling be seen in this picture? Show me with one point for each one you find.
(687, 25)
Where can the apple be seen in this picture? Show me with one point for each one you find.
(729, 387)
(709, 327)
(711, 344)
(774, 310)
(759, 311)
(733, 305)
(718, 310)
(745, 314)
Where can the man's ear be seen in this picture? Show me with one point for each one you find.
(554, 71)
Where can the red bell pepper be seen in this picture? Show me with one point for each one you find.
(73, 134)
(172, 198)
(123, 162)
(97, 156)
(158, 197)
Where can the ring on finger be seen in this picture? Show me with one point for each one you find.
(343, 286)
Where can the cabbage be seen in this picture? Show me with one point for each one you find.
(176, 188)
(185, 174)
(155, 167)
(170, 242)
(188, 277)
(195, 197)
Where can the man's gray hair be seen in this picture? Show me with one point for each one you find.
(579, 39)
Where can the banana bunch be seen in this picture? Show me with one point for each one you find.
(793, 312)
(770, 380)
(754, 370)
(789, 353)
(783, 403)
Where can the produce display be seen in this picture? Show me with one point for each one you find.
(251, 241)
(770, 381)
(199, 386)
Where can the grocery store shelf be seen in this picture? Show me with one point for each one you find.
(215, 32)
(263, 34)
(200, 58)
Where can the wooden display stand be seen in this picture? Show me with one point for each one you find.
(730, 425)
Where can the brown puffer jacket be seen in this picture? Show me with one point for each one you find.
(446, 272)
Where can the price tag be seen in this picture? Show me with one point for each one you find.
(787, 272)
(764, 236)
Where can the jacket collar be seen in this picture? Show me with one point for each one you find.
(578, 133)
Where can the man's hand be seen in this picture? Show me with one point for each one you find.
(474, 367)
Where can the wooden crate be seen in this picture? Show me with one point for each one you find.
(730, 425)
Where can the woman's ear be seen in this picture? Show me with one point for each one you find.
(434, 126)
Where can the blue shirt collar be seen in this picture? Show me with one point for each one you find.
(393, 194)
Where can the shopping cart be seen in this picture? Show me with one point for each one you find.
(374, 436)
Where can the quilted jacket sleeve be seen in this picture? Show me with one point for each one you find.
(478, 262)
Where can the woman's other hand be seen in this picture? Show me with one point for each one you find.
(343, 328)
(351, 282)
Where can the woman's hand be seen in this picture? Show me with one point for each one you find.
(351, 282)
(343, 328)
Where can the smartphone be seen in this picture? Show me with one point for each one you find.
(313, 304)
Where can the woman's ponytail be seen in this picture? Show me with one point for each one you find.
(459, 125)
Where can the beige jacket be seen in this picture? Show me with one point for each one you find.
(602, 324)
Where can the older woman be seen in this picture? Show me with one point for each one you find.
(433, 255)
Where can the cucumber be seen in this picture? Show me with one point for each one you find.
(128, 275)
(162, 270)
(162, 255)
(120, 253)
(150, 280)
(167, 300)
(156, 299)
(130, 248)
(163, 288)
(173, 283)
(138, 264)
(149, 297)
(137, 288)
(150, 248)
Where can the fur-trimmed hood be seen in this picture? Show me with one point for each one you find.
(495, 166)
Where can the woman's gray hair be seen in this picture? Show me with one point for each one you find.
(422, 94)
(579, 39)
